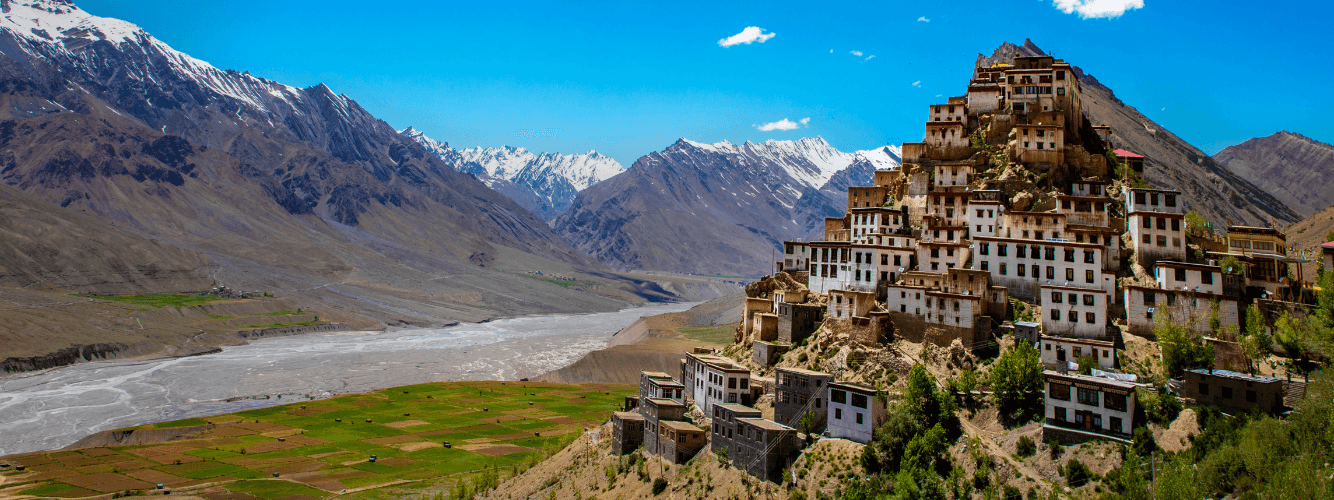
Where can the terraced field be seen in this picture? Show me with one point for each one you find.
(323, 448)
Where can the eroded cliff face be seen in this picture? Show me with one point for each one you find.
(1297, 170)
(1170, 162)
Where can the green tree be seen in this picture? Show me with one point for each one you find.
(1197, 224)
(1087, 362)
(926, 451)
(1257, 343)
(1231, 265)
(1016, 383)
(1182, 348)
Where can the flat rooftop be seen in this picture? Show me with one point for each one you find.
(628, 415)
(680, 426)
(1263, 379)
(765, 423)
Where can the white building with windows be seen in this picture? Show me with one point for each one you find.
(854, 412)
(1025, 265)
(830, 268)
(1088, 406)
(1155, 219)
(1058, 352)
(1073, 311)
(714, 380)
(1185, 294)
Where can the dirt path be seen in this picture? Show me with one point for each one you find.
(996, 451)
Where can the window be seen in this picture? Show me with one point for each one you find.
(1073, 316)
(1020, 251)
(1051, 253)
(1250, 396)
(1058, 413)
(838, 414)
(1162, 224)
(1090, 318)
(1089, 257)
(1055, 314)
(1069, 255)
(1148, 222)
(1162, 241)
(1207, 277)
(1069, 274)
(1227, 393)
(1116, 426)
(745, 383)
(1204, 388)
(859, 401)
(859, 417)
(1170, 200)
(1180, 274)
(1051, 273)
(1088, 299)
(1176, 242)
(984, 265)
(1036, 271)
(1176, 224)
(1058, 391)
(1002, 268)
(1088, 396)
(1002, 250)
(1056, 297)
(1139, 199)
(837, 396)
(1019, 268)
(1147, 240)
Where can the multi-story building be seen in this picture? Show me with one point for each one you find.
(798, 392)
(724, 423)
(829, 266)
(1186, 294)
(796, 257)
(1155, 221)
(844, 304)
(714, 380)
(983, 97)
(659, 385)
(1081, 406)
(627, 432)
(1035, 84)
(1074, 311)
(955, 111)
(949, 205)
(1039, 144)
(985, 211)
(680, 441)
(867, 196)
(1265, 252)
(655, 412)
(1058, 352)
(957, 173)
(854, 412)
(1234, 391)
(798, 321)
(879, 226)
(940, 307)
(763, 448)
(1023, 266)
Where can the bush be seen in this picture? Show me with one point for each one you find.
(659, 485)
(1054, 448)
(1077, 474)
(1016, 380)
(1012, 493)
(1026, 447)
(1160, 407)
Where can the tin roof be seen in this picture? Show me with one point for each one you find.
(765, 423)
(1237, 375)
(1126, 154)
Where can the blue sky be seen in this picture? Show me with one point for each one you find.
(629, 78)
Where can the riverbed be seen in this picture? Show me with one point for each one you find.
(54, 408)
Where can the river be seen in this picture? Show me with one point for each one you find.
(54, 408)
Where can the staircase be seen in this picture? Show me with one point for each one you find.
(1294, 392)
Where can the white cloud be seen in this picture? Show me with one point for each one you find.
(872, 56)
(746, 36)
(784, 124)
(831, 51)
(917, 84)
(923, 19)
(1096, 9)
(806, 122)
(857, 53)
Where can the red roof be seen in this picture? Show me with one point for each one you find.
(1329, 245)
(1126, 154)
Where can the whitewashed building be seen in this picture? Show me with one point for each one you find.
(1083, 406)
(854, 412)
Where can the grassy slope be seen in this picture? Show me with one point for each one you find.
(488, 424)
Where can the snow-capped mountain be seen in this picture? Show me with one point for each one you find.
(293, 188)
(741, 199)
(543, 183)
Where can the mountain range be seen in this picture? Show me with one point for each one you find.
(715, 208)
(1298, 170)
(544, 183)
(298, 191)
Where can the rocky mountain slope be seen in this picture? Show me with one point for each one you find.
(1170, 162)
(1297, 170)
(740, 199)
(297, 191)
(545, 183)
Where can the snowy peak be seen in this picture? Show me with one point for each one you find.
(812, 161)
(61, 22)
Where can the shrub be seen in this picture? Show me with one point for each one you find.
(659, 485)
(1026, 447)
(1054, 448)
(1012, 493)
(1077, 474)
(1016, 380)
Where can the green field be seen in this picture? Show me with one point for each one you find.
(158, 300)
(716, 334)
(488, 424)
